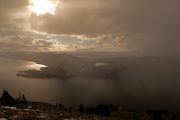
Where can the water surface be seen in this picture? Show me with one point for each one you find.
(69, 92)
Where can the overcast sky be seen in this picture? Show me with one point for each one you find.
(137, 26)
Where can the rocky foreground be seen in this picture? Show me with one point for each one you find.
(14, 113)
(42, 111)
(22, 109)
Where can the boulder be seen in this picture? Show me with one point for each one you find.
(7, 99)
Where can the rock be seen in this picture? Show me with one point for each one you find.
(10, 108)
(7, 99)
(3, 119)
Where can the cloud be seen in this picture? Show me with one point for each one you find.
(11, 13)
(76, 17)
(24, 43)
(146, 26)
(149, 26)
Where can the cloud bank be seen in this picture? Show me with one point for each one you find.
(139, 26)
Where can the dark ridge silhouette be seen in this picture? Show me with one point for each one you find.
(7, 99)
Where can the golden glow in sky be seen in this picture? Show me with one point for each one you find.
(32, 65)
(42, 7)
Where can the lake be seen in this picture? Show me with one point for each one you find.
(68, 92)
(34, 89)
(142, 83)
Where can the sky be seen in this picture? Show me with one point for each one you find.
(135, 26)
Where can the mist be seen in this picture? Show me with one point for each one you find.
(138, 82)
